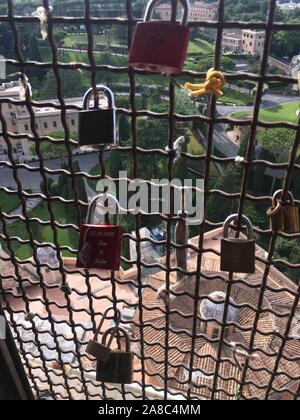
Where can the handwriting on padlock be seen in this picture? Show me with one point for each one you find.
(100, 245)
(102, 234)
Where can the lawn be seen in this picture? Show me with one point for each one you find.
(233, 96)
(196, 46)
(94, 171)
(9, 201)
(200, 46)
(66, 237)
(285, 112)
(72, 40)
(196, 148)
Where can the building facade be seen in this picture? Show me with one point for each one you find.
(249, 42)
(199, 11)
(18, 121)
(232, 42)
(252, 41)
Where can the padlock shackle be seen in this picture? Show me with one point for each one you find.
(104, 317)
(100, 88)
(93, 205)
(233, 218)
(278, 195)
(114, 331)
(153, 3)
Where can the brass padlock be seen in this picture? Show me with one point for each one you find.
(238, 255)
(99, 350)
(284, 217)
(119, 367)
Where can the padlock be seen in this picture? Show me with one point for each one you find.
(160, 46)
(284, 217)
(98, 350)
(238, 255)
(100, 245)
(119, 367)
(98, 127)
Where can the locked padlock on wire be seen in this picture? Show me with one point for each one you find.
(98, 126)
(160, 46)
(119, 367)
(238, 255)
(98, 350)
(284, 217)
(100, 245)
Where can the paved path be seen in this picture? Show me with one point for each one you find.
(268, 101)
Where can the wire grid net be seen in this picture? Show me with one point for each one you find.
(74, 380)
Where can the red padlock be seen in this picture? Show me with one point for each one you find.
(100, 245)
(161, 46)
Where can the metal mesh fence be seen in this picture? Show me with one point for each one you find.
(69, 323)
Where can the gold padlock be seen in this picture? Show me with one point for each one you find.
(284, 216)
(238, 255)
(275, 213)
(98, 350)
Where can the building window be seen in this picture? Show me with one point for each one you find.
(73, 122)
(45, 125)
(54, 124)
(26, 127)
(9, 105)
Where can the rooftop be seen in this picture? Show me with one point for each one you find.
(245, 297)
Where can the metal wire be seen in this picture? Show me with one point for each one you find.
(62, 384)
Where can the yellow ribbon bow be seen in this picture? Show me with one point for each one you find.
(215, 81)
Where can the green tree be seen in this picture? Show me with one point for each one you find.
(73, 84)
(115, 163)
(151, 134)
(285, 43)
(254, 10)
(66, 190)
(288, 250)
(124, 128)
(51, 150)
(33, 54)
(277, 141)
(203, 64)
(59, 36)
(80, 185)
(119, 33)
(219, 207)
(6, 41)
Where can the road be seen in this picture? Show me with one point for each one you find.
(32, 180)
(268, 101)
